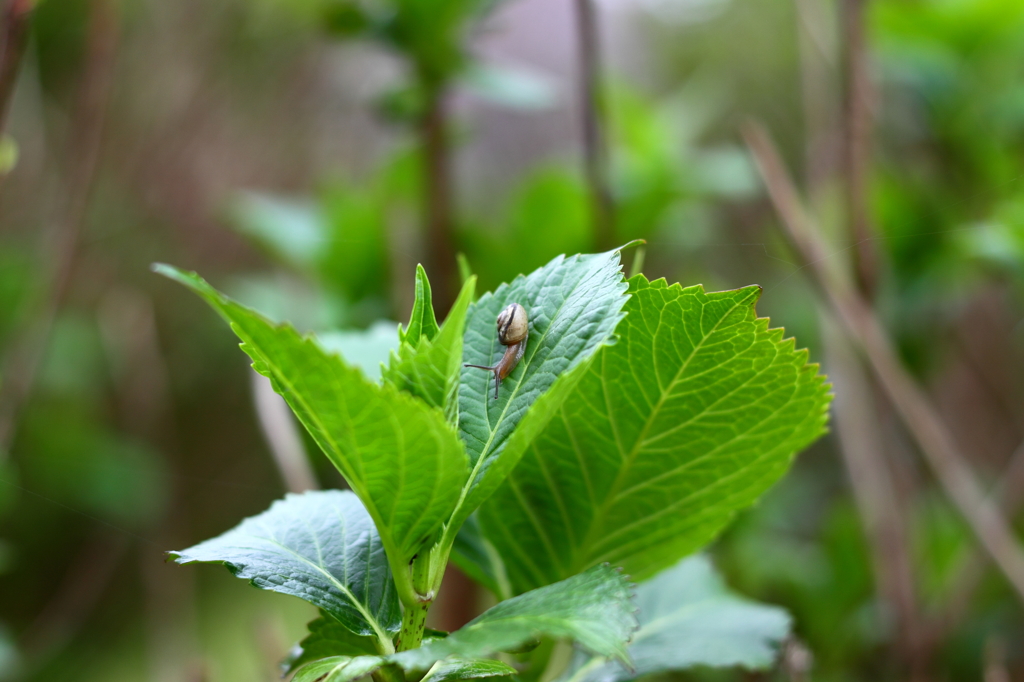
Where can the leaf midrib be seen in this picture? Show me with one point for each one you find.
(359, 606)
(604, 507)
(711, 453)
(356, 482)
(471, 483)
(693, 494)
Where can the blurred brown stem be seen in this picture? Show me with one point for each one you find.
(86, 135)
(79, 591)
(14, 36)
(862, 444)
(437, 200)
(967, 578)
(817, 75)
(874, 491)
(282, 436)
(595, 151)
(857, 137)
(934, 440)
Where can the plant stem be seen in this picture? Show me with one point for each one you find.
(282, 436)
(591, 108)
(437, 199)
(14, 37)
(414, 619)
(857, 141)
(922, 421)
(26, 354)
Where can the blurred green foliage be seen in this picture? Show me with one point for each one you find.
(217, 113)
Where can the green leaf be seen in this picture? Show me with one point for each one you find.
(422, 323)
(515, 87)
(327, 637)
(573, 305)
(319, 546)
(10, 659)
(294, 231)
(429, 369)
(687, 618)
(338, 669)
(695, 412)
(366, 349)
(594, 609)
(478, 559)
(399, 455)
(452, 669)
(8, 154)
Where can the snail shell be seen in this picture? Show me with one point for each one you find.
(513, 325)
(513, 330)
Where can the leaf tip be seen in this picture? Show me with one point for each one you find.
(630, 245)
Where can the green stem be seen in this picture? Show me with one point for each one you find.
(414, 619)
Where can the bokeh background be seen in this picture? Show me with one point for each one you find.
(304, 155)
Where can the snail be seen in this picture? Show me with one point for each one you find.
(513, 328)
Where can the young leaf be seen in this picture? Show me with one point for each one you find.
(573, 305)
(327, 637)
(452, 669)
(429, 369)
(422, 323)
(594, 609)
(399, 455)
(319, 546)
(689, 618)
(695, 411)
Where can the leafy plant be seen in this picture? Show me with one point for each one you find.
(640, 418)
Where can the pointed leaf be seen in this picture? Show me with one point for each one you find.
(452, 669)
(319, 546)
(573, 305)
(422, 323)
(430, 369)
(695, 411)
(397, 453)
(687, 618)
(594, 609)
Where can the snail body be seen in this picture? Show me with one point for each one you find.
(513, 330)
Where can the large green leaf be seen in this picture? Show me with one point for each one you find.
(320, 546)
(397, 453)
(427, 365)
(695, 411)
(688, 618)
(594, 609)
(573, 305)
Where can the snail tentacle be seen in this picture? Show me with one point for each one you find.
(513, 330)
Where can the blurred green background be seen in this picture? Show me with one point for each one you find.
(277, 147)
